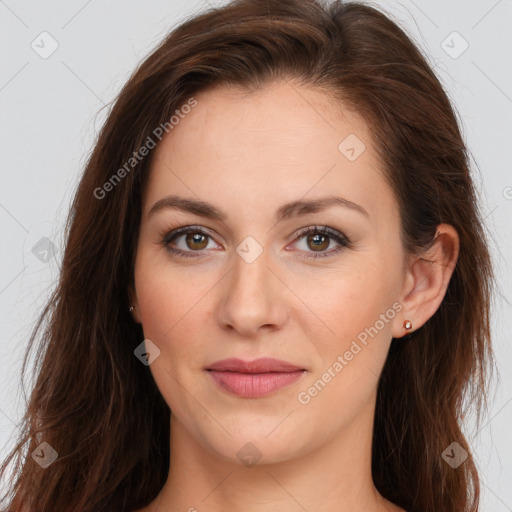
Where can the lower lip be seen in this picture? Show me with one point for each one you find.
(254, 385)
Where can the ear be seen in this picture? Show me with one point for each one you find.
(427, 279)
(132, 294)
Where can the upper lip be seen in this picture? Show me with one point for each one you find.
(262, 365)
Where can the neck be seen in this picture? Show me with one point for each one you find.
(333, 477)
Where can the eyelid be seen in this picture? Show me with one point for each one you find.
(173, 234)
(340, 238)
(183, 230)
(324, 230)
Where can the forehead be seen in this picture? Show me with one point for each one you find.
(280, 143)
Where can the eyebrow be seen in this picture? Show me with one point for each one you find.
(287, 211)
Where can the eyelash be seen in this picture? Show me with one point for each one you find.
(322, 230)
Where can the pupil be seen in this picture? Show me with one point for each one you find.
(196, 238)
(318, 240)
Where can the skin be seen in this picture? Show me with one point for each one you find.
(248, 154)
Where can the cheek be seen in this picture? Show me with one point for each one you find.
(348, 301)
(345, 378)
(172, 315)
(167, 294)
(357, 306)
(175, 302)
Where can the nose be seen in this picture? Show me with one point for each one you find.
(252, 298)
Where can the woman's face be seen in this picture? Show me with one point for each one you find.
(253, 284)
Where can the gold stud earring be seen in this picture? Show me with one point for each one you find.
(407, 325)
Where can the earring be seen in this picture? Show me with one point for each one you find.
(407, 325)
(131, 308)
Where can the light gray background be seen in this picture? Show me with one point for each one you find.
(51, 111)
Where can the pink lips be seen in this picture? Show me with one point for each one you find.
(252, 379)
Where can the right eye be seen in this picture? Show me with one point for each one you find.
(191, 239)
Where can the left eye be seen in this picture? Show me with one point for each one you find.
(318, 239)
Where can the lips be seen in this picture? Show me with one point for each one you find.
(262, 365)
(254, 379)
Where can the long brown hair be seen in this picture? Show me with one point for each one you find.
(93, 401)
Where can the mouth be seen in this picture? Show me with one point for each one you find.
(253, 379)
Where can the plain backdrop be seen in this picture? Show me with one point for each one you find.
(62, 62)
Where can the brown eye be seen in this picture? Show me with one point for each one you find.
(188, 241)
(318, 239)
(196, 241)
(318, 242)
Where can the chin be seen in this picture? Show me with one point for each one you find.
(250, 446)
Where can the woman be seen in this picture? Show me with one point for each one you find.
(276, 285)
